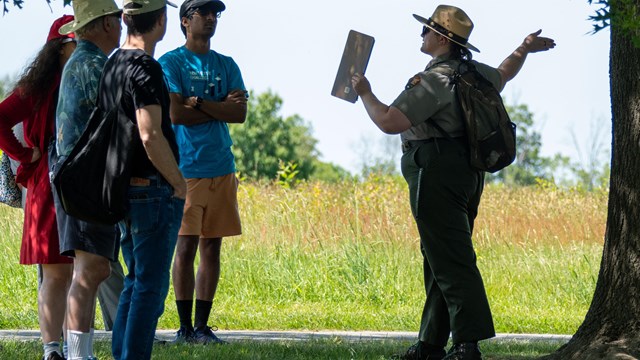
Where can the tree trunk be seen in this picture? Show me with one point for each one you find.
(611, 329)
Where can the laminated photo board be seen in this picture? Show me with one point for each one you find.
(355, 58)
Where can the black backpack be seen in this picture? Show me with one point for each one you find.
(490, 132)
(93, 181)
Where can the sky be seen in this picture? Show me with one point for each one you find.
(293, 48)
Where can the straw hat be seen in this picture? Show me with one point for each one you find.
(86, 11)
(452, 23)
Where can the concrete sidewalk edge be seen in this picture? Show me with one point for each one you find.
(253, 335)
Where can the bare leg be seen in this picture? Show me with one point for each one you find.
(209, 269)
(89, 271)
(183, 276)
(206, 286)
(52, 300)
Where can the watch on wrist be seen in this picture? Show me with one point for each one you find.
(199, 101)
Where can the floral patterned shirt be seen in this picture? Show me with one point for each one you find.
(78, 93)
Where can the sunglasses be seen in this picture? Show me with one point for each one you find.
(425, 31)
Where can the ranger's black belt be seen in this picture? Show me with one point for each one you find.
(410, 144)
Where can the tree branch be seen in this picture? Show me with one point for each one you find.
(624, 14)
(20, 3)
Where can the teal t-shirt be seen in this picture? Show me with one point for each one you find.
(205, 149)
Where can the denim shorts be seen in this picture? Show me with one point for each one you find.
(76, 234)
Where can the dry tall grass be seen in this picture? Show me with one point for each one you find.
(378, 209)
(539, 216)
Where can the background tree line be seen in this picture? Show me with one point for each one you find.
(269, 143)
(271, 146)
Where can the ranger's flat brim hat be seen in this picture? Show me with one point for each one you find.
(85, 11)
(452, 23)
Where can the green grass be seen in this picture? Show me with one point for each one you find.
(316, 349)
(346, 257)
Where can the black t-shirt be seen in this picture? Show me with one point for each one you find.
(144, 84)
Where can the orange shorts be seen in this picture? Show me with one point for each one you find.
(211, 208)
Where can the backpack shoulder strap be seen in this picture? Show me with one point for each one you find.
(118, 97)
(453, 75)
(439, 128)
(443, 68)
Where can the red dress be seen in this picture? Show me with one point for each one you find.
(40, 244)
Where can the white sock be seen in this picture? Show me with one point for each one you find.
(50, 348)
(78, 342)
(65, 349)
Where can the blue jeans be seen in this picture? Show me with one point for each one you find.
(149, 235)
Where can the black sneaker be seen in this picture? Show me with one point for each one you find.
(464, 351)
(54, 356)
(184, 335)
(420, 351)
(205, 335)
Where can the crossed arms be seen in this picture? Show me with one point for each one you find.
(233, 109)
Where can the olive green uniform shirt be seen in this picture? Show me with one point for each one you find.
(429, 94)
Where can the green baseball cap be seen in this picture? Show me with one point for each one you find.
(86, 11)
(137, 7)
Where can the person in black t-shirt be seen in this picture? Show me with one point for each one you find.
(158, 189)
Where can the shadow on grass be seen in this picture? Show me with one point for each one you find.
(288, 350)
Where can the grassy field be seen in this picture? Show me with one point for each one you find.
(346, 257)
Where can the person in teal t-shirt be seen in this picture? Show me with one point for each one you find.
(207, 92)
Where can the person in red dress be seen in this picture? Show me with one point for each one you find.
(33, 102)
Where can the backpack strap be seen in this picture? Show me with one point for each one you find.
(439, 128)
(453, 76)
(118, 98)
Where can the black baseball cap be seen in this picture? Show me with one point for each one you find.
(189, 6)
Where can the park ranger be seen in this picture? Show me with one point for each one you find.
(444, 189)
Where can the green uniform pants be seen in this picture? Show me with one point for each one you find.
(444, 195)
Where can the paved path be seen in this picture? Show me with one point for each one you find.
(251, 335)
